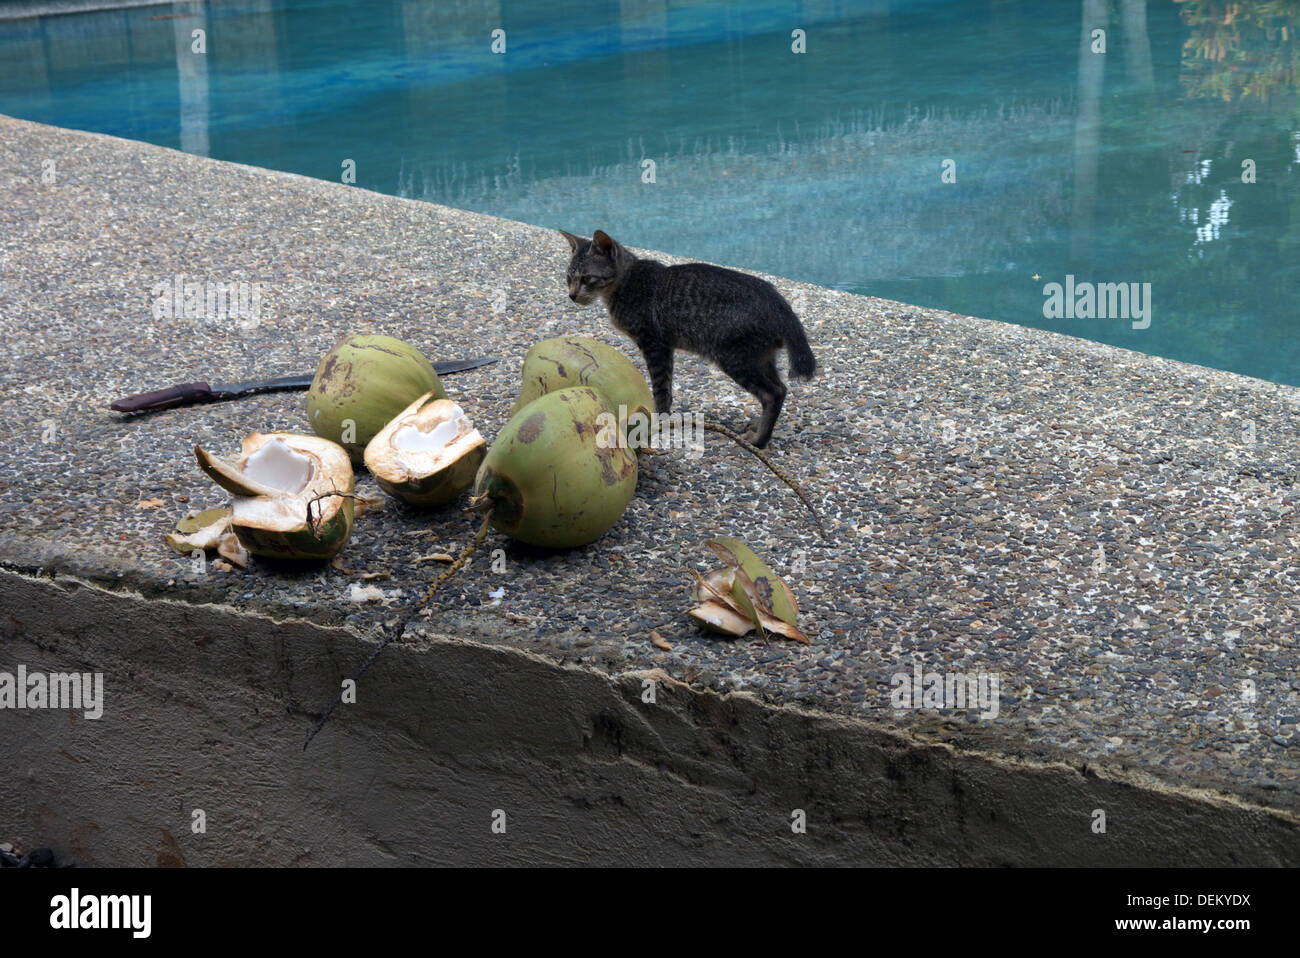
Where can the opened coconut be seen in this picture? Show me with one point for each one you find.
(273, 481)
(429, 454)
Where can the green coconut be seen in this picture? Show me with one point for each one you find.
(361, 384)
(547, 479)
(272, 483)
(428, 455)
(579, 361)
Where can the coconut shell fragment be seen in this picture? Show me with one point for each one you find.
(202, 531)
(722, 618)
(744, 596)
(208, 530)
(774, 594)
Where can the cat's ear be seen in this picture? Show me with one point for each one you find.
(602, 241)
(575, 242)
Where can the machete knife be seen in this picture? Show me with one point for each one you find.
(186, 394)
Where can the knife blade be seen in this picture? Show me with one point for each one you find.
(186, 394)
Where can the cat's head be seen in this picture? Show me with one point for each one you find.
(596, 268)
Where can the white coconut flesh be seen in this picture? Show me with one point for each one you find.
(300, 468)
(278, 466)
(424, 439)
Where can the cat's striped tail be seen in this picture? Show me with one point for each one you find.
(802, 362)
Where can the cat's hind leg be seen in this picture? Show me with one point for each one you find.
(771, 410)
(761, 380)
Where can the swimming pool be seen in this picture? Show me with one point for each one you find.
(960, 155)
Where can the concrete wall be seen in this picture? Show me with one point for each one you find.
(207, 708)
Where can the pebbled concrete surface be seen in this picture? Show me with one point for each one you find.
(1114, 535)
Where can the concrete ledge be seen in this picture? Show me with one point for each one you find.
(1092, 525)
(207, 707)
(22, 10)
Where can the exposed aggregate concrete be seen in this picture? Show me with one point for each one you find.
(1114, 535)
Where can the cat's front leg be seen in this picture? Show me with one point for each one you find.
(659, 360)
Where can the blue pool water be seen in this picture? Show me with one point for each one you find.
(1122, 167)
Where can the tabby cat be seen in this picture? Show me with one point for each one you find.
(736, 321)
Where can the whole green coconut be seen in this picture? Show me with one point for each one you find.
(553, 478)
(581, 361)
(361, 384)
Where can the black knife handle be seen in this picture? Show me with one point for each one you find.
(178, 395)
